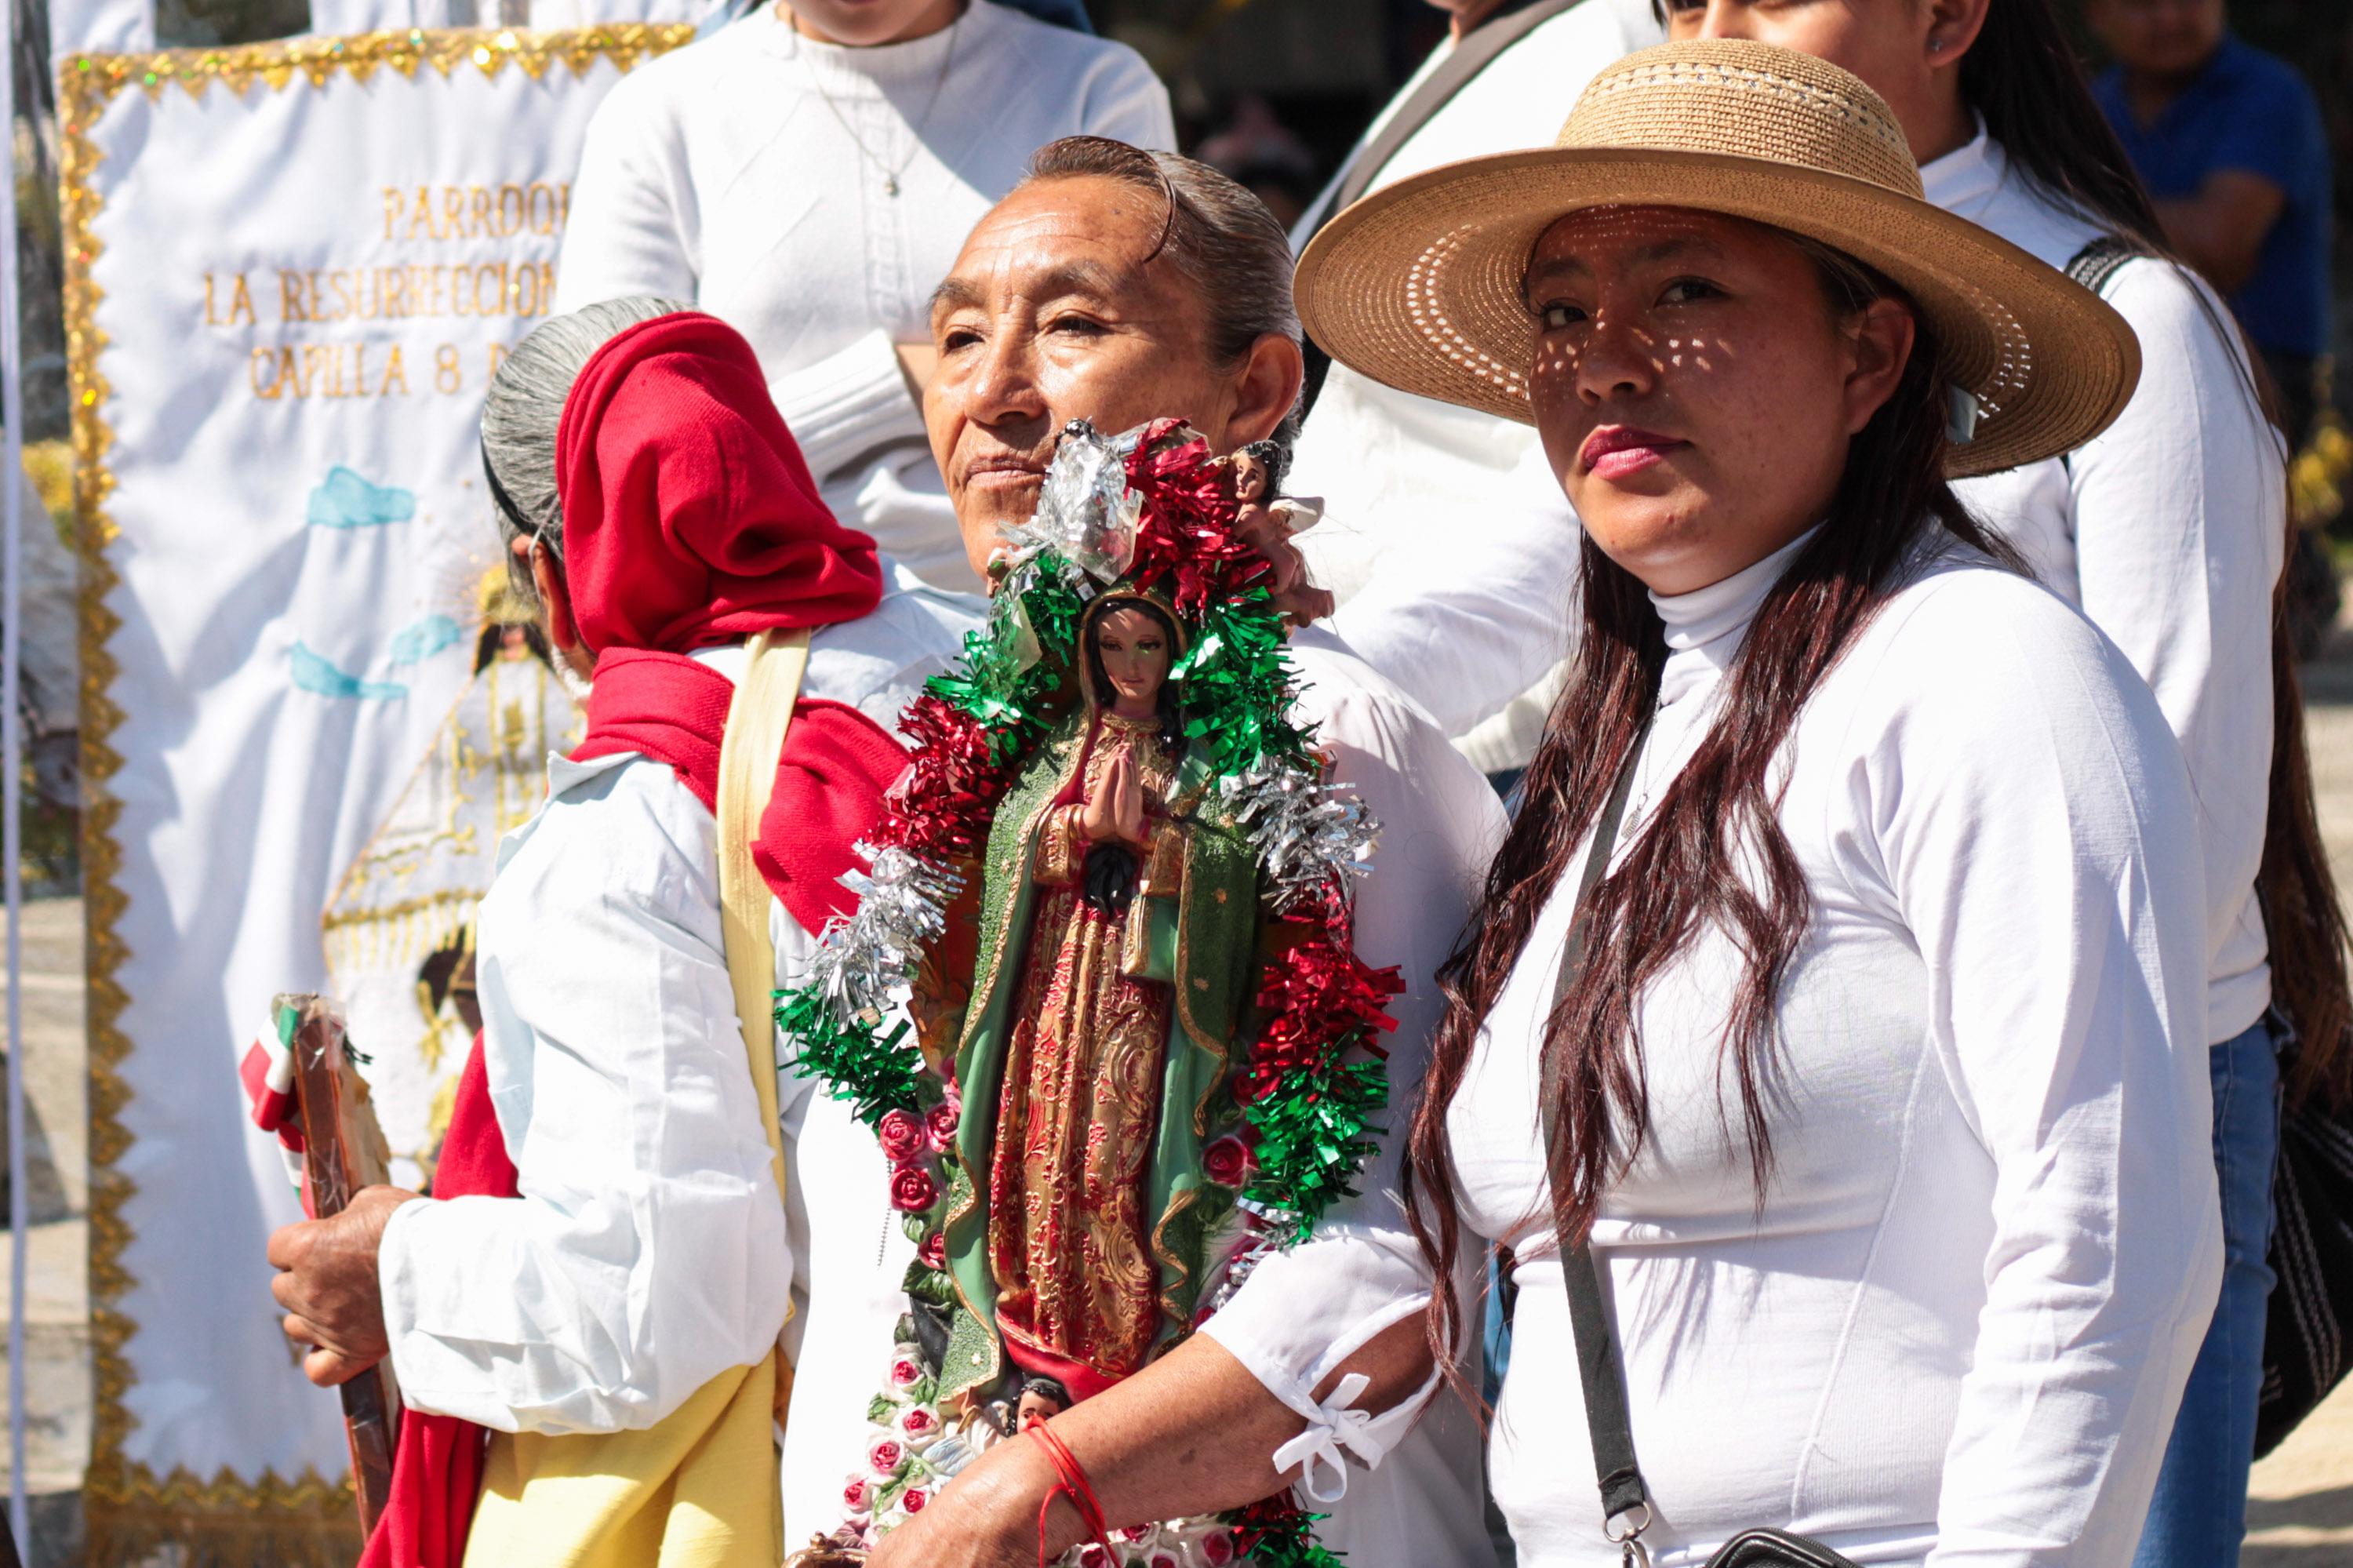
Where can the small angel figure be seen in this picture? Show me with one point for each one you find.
(1267, 524)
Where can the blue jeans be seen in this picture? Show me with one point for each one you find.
(2200, 1512)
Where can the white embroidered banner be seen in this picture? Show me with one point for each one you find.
(293, 269)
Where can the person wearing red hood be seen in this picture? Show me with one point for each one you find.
(610, 1243)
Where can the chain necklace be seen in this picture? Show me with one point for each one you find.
(889, 174)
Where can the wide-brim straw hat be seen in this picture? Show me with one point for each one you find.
(1418, 284)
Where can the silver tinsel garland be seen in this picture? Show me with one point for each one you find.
(1308, 834)
(867, 961)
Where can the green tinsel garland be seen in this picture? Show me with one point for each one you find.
(877, 1074)
(1275, 1533)
(1311, 1134)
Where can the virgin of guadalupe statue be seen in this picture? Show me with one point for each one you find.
(1100, 1002)
(1116, 932)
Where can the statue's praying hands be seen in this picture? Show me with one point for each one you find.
(1115, 811)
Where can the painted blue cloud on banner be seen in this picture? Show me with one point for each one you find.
(347, 500)
(314, 672)
(420, 641)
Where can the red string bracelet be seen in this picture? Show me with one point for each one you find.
(1070, 1482)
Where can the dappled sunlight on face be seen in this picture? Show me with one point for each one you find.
(1689, 384)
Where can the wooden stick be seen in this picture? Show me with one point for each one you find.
(344, 1150)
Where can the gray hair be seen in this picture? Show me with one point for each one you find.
(1219, 235)
(524, 406)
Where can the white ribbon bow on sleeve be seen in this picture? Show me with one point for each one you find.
(1333, 1425)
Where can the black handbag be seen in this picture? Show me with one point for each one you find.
(2309, 1320)
(1625, 1499)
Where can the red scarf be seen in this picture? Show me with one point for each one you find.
(690, 517)
(689, 521)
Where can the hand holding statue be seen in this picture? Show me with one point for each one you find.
(1266, 524)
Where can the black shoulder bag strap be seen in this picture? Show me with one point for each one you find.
(1614, 1468)
(2097, 263)
(1625, 1499)
(2094, 267)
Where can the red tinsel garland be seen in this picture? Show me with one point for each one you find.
(941, 808)
(1184, 540)
(1322, 996)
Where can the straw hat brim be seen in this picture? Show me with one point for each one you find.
(1418, 285)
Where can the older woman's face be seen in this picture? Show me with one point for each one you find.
(1052, 313)
(1694, 391)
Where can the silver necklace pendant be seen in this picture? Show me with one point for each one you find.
(890, 185)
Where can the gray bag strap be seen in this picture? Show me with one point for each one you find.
(1616, 1471)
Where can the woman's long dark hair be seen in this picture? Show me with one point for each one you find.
(2022, 76)
(1683, 873)
(1108, 879)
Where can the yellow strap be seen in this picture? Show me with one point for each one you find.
(754, 742)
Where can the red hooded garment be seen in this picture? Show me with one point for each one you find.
(689, 520)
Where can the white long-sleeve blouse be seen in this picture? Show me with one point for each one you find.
(1956, 1329)
(746, 173)
(646, 1252)
(2168, 529)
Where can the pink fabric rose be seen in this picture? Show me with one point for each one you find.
(1217, 1550)
(1227, 1162)
(857, 1493)
(913, 1190)
(913, 1498)
(902, 1136)
(918, 1420)
(885, 1457)
(940, 1121)
(905, 1373)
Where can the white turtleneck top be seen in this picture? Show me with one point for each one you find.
(730, 175)
(2168, 529)
(1957, 1328)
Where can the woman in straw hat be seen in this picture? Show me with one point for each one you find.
(1873, 1076)
(2168, 529)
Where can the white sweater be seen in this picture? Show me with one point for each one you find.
(727, 174)
(2168, 530)
(1957, 1329)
